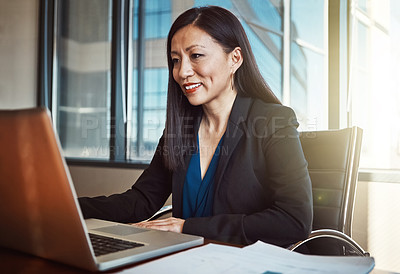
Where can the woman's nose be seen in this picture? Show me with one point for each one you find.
(185, 69)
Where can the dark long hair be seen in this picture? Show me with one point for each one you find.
(226, 30)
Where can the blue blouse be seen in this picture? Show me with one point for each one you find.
(197, 200)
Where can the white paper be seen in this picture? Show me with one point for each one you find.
(257, 258)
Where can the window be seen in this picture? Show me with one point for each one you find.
(81, 80)
(374, 81)
(263, 23)
(110, 71)
(308, 70)
(149, 78)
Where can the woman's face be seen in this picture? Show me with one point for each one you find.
(200, 66)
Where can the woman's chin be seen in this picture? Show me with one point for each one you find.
(195, 103)
(194, 100)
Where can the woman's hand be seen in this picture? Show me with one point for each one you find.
(168, 224)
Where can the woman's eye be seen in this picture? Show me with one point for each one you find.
(175, 60)
(196, 55)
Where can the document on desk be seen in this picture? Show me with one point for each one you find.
(257, 258)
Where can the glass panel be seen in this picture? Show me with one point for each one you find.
(363, 5)
(222, 3)
(382, 10)
(142, 142)
(376, 91)
(308, 68)
(308, 21)
(268, 14)
(299, 81)
(267, 48)
(82, 77)
(308, 88)
(360, 83)
(262, 21)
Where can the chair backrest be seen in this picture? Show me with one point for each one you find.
(333, 160)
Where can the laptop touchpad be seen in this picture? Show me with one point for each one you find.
(121, 230)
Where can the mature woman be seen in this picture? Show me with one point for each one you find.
(230, 153)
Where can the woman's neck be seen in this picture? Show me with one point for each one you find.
(216, 115)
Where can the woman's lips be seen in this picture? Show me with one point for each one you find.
(191, 87)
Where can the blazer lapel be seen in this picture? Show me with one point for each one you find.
(233, 134)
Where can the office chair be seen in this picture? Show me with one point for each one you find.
(333, 159)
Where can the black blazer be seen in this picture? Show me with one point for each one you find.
(262, 189)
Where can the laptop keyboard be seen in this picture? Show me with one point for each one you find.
(104, 245)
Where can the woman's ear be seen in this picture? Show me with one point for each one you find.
(237, 58)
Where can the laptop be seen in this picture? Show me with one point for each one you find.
(39, 211)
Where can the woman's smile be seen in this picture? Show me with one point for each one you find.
(191, 87)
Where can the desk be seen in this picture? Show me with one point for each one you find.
(14, 262)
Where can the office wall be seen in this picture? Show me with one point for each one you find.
(18, 48)
(98, 181)
(95, 181)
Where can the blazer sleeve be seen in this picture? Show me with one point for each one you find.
(145, 197)
(288, 217)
